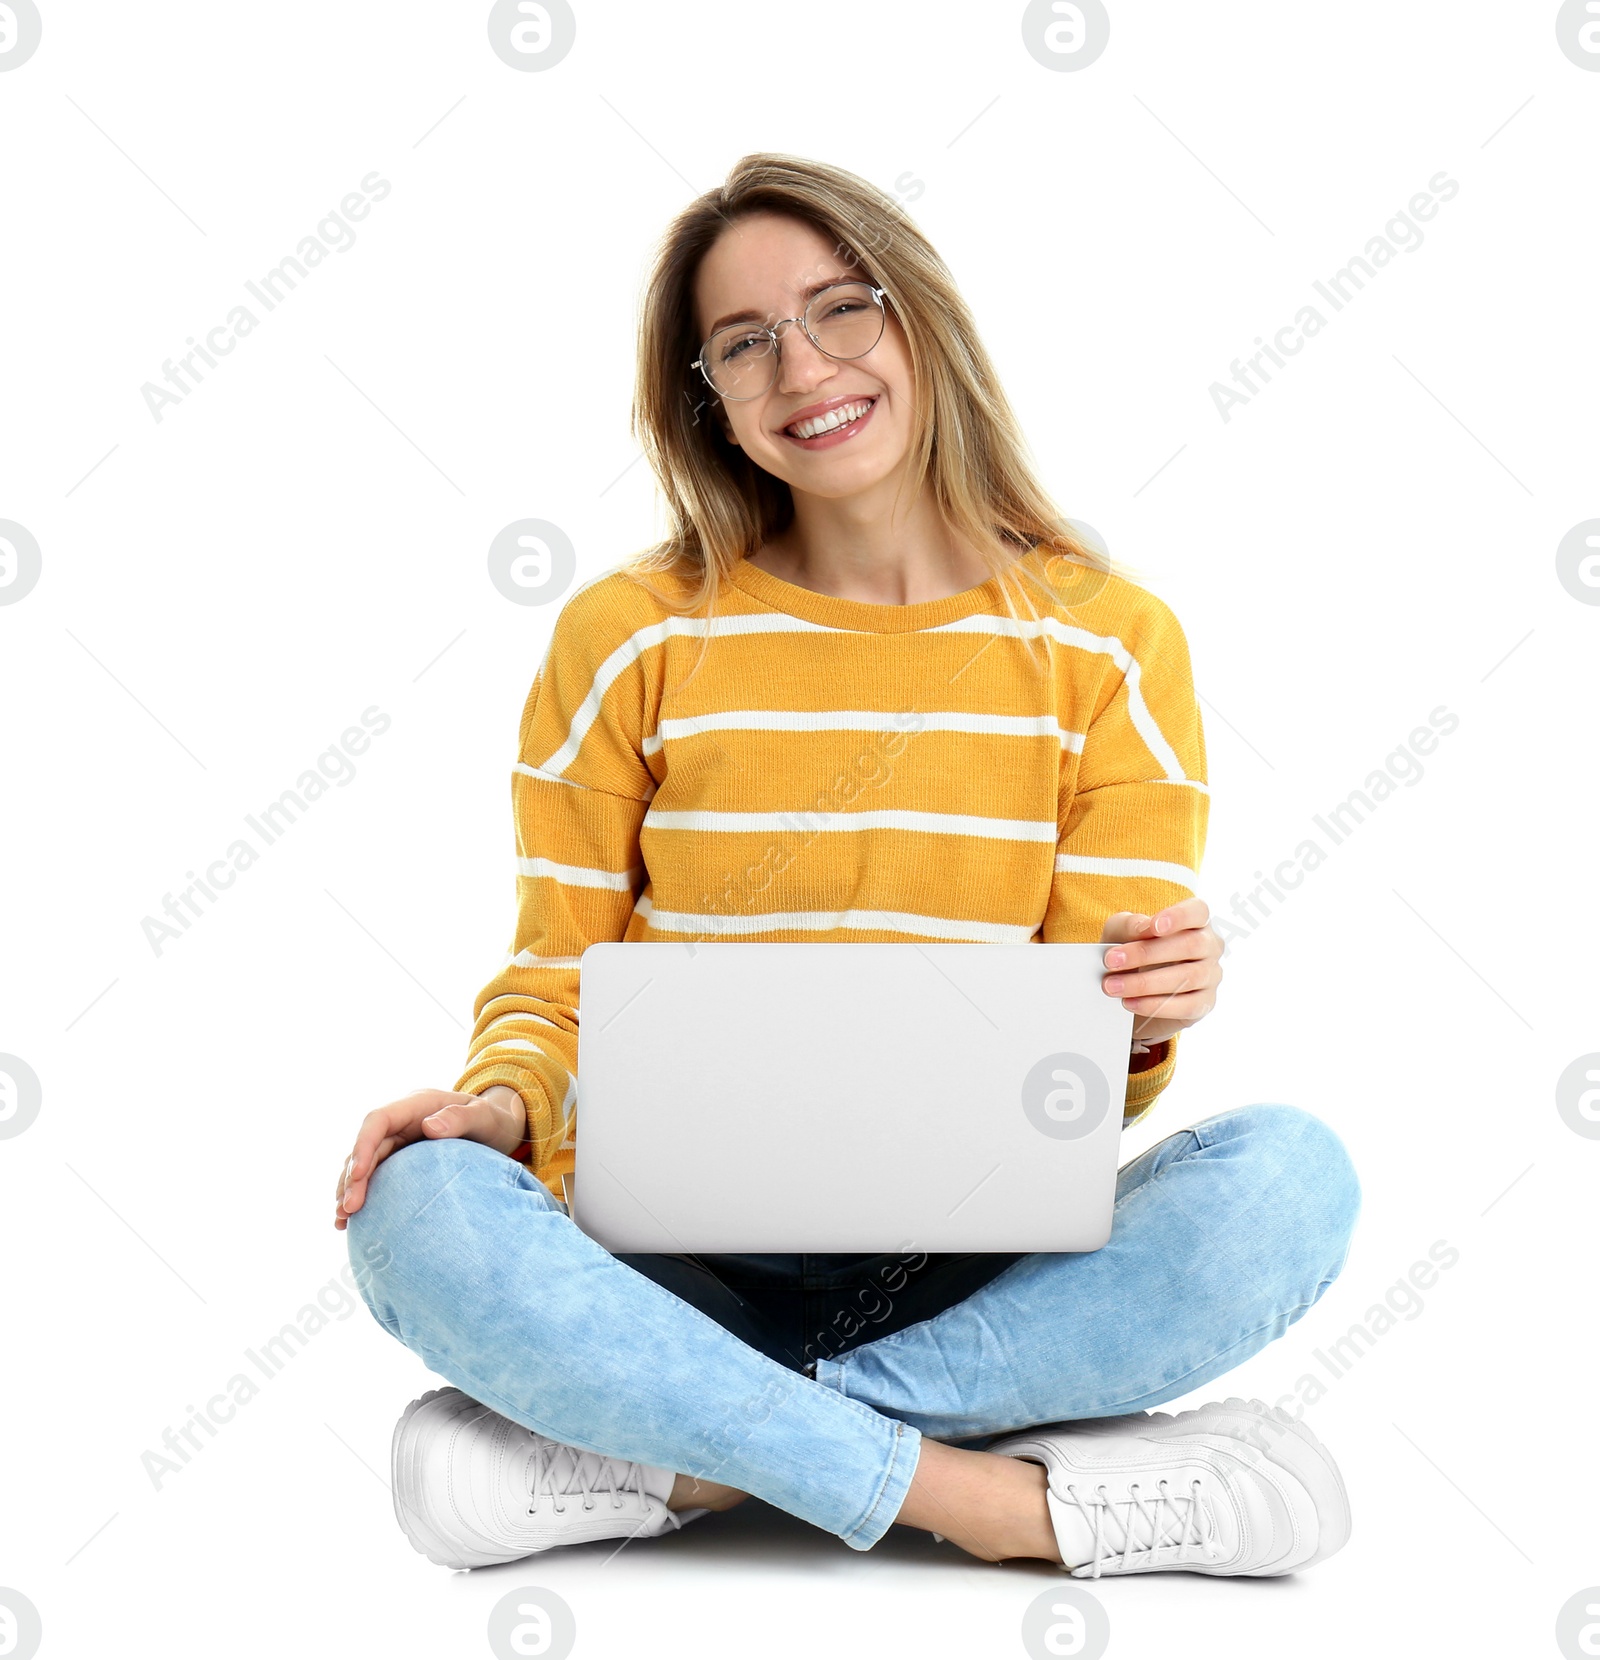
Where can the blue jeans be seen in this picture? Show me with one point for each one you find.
(1225, 1234)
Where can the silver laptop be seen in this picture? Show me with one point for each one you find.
(743, 1097)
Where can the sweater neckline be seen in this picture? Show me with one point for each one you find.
(861, 615)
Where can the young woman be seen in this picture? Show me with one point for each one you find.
(871, 687)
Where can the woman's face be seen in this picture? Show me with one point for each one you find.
(766, 267)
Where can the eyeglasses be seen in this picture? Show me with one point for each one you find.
(843, 321)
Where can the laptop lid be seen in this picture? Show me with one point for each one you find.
(835, 1097)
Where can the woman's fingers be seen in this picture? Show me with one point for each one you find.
(381, 1124)
(1124, 925)
(1160, 1016)
(1174, 919)
(1179, 1009)
(1167, 974)
(466, 1118)
(429, 1114)
(382, 1131)
(353, 1188)
(1188, 945)
(1187, 913)
(374, 1143)
(364, 1156)
(1137, 990)
(1165, 967)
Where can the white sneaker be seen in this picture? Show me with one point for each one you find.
(1234, 1487)
(472, 1488)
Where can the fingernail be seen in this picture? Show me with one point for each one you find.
(1115, 959)
(1114, 985)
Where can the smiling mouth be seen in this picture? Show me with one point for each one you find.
(834, 421)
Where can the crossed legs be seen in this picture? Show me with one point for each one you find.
(1225, 1233)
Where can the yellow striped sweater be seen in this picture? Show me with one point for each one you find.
(836, 770)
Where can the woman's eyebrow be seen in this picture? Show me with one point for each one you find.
(755, 316)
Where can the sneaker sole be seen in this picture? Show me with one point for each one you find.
(1295, 1448)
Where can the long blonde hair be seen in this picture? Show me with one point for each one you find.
(967, 444)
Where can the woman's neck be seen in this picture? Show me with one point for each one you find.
(855, 550)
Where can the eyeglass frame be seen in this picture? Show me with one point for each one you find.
(771, 331)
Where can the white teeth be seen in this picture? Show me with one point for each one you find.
(820, 424)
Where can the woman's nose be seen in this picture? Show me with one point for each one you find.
(800, 364)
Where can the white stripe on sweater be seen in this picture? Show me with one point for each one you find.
(899, 922)
(886, 818)
(641, 641)
(1084, 864)
(910, 722)
(579, 876)
(572, 783)
(1082, 640)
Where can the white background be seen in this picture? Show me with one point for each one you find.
(1370, 538)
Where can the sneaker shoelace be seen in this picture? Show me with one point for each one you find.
(585, 1472)
(1163, 1522)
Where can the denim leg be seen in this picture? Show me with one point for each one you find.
(466, 1258)
(1224, 1235)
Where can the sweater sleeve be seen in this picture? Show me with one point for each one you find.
(579, 792)
(1133, 805)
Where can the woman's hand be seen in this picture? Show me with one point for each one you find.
(497, 1118)
(1166, 967)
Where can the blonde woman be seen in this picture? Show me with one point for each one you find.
(870, 687)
